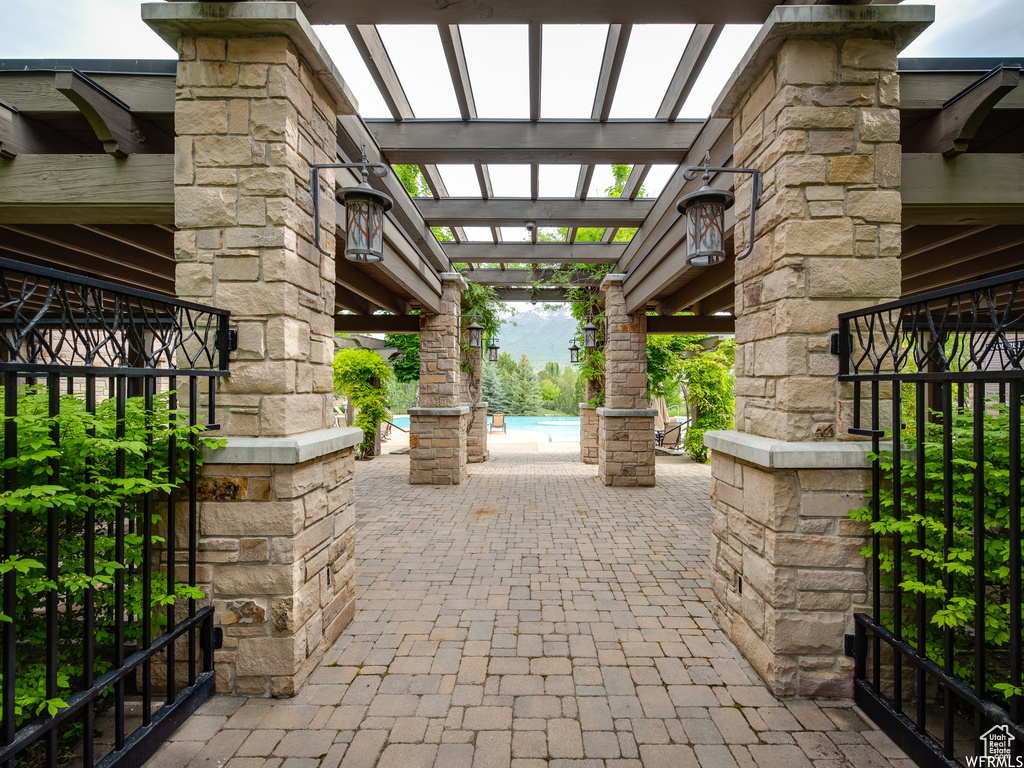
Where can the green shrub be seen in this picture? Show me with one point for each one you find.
(956, 609)
(354, 371)
(87, 451)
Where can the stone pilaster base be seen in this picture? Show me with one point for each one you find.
(625, 446)
(588, 434)
(476, 437)
(787, 573)
(438, 445)
(276, 555)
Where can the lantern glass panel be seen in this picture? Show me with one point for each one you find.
(492, 353)
(590, 336)
(364, 236)
(476, 335)
(574, 354)
(705, 232)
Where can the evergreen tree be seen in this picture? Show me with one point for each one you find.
(524, 399)
(494, 392)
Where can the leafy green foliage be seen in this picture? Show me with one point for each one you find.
(406, 361)
(708, 377)
(414, 183)
(950, 608)
(354, 370)
(88, 447)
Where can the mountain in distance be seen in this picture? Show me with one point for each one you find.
(544, 336)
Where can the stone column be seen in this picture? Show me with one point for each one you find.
(437, 427)
(476, 419)
(814, 106)
(625, 439)
(256, 104)
(588, 433)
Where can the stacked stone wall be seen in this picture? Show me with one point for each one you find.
(822, 125)
(476, 436)
(626, 447)
(588, 434)
(438, 449)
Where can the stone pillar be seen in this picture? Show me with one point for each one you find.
(588, 433)
(476, 420)
(814, 106)
(437, 427)
(625, 432)
(256, 104)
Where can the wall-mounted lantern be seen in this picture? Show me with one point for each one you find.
(590, 335)
(492, 351)
(574, 352)
(364, 212)
(476, 334)
(705, 215)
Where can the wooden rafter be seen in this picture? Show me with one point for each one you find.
(527, 277)
(111, 119)
(512, 212)
(21, 135)
(539, 253)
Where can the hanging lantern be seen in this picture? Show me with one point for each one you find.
(476, 335)
(492, 351)
(705, 225)
(574, 352)
(364, 227)
(590, 335)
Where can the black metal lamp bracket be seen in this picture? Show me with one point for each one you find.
(380, 169)
(690, 173)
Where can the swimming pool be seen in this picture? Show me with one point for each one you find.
(557, 429)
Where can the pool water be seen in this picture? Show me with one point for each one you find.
(555, 429)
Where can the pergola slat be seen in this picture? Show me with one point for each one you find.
(513, 212)
(539, 253)
(546, 141)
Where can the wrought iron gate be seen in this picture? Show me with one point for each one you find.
(106, 644)
(936, 385)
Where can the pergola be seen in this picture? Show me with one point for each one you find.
(88, 181)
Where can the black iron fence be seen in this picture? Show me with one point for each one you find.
(936, 385)
(106, 641)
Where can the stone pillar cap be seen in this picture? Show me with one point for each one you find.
(612, 278)
(173, 21)
(899, 23)
(454, 277)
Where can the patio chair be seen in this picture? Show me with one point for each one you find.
(671, 437)
(498, 422)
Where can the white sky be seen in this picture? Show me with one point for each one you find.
(496, 56)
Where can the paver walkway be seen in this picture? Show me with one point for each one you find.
(530, 617)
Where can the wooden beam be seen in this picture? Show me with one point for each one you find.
(949, 132)
(917, 240)
(676, 324)
(22, 135)
(149, 239)
(541, 295)
(455, 55)
(541, 11)
(967, 189)
(352, 301)
(352, 137)
(535, 32)
(110, 118)
(353, 279)
(376, 324)
(378, 63)
(541, 253)
(511, 212)
(87, 189)
(931, 90)
(691, 62)
(615, 45)
(527, 277)
(720, 301)
(948, 256)
(94, 246)
(704, 283)
(34, 93)
(55, 258)
(972, 266)
(547, 141)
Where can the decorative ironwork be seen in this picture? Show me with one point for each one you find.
(56, 321)
(111, 355)
(969, 332)
(938, 661)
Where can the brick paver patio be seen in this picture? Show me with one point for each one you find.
(530, 617)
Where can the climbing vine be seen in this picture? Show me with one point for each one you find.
(355, 372)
